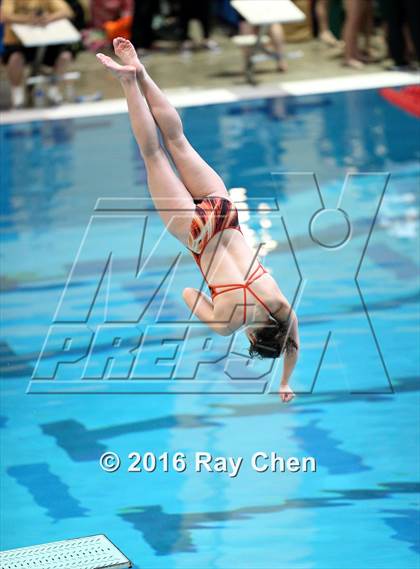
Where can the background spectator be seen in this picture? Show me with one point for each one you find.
(15, 55)
(79, 19)
(142, 35)
(201, 11)
(322, 15)
(355, 11)
(107, 10)
(403, 28)
(103, 12)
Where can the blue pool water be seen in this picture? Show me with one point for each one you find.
(358, 408)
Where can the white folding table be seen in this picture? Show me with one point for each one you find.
(55, 33)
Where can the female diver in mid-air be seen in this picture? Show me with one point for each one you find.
(243, 292)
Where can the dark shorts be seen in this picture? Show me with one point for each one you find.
(51, 53)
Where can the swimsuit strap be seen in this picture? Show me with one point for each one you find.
(229, 287)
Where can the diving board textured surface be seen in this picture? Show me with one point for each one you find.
(94, 552)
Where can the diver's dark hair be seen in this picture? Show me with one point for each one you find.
(272, 341)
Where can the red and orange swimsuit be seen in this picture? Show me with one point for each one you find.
(213, 215)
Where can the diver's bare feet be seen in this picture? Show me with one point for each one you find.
(124, 73)
(125, 50)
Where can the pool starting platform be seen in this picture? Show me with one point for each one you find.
(94, 552)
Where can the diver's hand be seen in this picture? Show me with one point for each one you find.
(286, 393)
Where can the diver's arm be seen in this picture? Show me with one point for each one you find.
(202, 307)
(289, 363)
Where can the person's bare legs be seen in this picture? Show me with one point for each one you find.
(276, 34)
(16, 75)
(352, 27)
(325, 34)
(199, 178)
(246, 29)
(368, 25)
(16, 69)
(277, 38)
(167, 191)
(61, 65)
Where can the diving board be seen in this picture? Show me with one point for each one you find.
(94, 552)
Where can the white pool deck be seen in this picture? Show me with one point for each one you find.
(191, 97)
